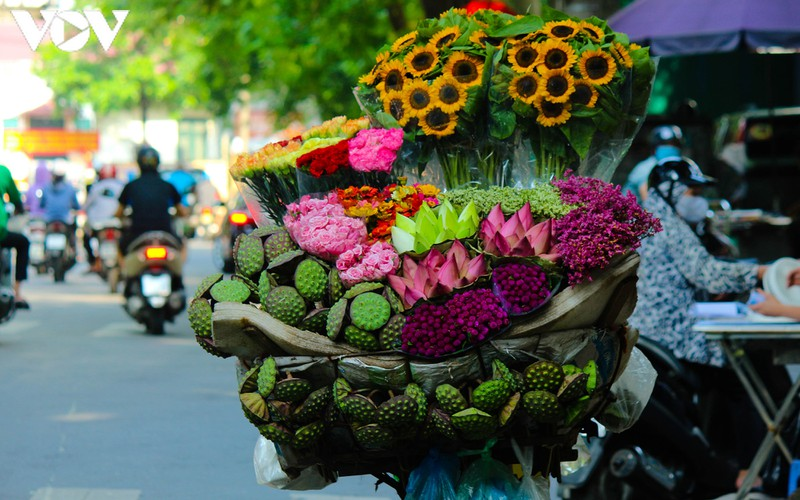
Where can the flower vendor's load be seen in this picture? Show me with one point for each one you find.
(376, 317)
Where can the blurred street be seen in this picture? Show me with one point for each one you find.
(93, 408)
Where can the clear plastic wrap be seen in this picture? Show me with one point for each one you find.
(269, 471)
(530, 487)
(630, 392)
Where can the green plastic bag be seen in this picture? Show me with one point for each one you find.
(488, 479)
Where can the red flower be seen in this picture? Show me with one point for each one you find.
(325, 161)
(475, 6)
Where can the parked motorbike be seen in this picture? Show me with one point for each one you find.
(59, 247)
(671, 452)
(152, 268)
(7, 298)
(106, 242)
(36, 230)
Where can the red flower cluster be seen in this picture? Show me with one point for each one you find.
(325, 160)
(475, 6)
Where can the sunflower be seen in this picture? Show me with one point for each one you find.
(563, 29)
(481, 39)
(393, 105)
(437, 123)
(551, 113)
(557, 85)
(421, 60)
(369, 78)
(556, 54)
(393, 76)
(449, 95)
(622, 54)
(417, 97)
(597, 66)
(634, 46)
(595, 32)
(585, 94)
(404, 42)
(524, 87)
(445, 37)
(523, 56)
(464, 68)
(458, 12)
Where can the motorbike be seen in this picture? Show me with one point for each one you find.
(152, 269)
(106, 241)
(59, 247)
(7, 298)
(673, 451)
(36, 230)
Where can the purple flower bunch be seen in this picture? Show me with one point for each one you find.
(520, 287)
(468, 318)
(605, 223)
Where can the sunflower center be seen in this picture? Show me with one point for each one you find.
(437, 119)
(420, 99)
(445, 40)
(596, 67)
(393, 80)
(526, 86)
(526, 56)
(557, 85)
(449, 94)
(555, 58)
(582, 94)
(465, 71)
(562, 31)
(422, 61)
(396, 109)
(552, 109)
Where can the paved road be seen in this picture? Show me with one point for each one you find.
(92, 408)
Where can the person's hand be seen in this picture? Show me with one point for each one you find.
(770, 306)
(793, 278)
(762, 270)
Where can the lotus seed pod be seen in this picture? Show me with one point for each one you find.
(311, 280)
(308, 434)
(373, 436)
(265, 285)
(369, 311)
(251, 285)
(267, 377)
(266, 231)
(286, 305)
(341, 389)
(315, 321)
(248, 255)
(514, 379)
(283, 266)
(292, 390)
(491, 395)
(335, 286)
(359, 408)
(206, 284)
(397, 411)
(474, 423)
(336, 316)
(199, 313)
(208, 345)
(450, 399)
(249, 381)
(443, 424)
(255, 405)
(359, 288)
(416, 392)
(544, 376)
(278, 243)
(389, 336)
(508, 410)
(230, 291)
(276, 433)
(280, 411)
(314, 406)
(573, 387)
(361, 339)
(394, 300)
(542, 406)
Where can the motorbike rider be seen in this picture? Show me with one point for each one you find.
(100, 206)
(59, 199)
(674, 266)
(665, 141)
(150, 199)
(11, 239)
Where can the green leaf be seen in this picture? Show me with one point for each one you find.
(580, 134)
(527, 24)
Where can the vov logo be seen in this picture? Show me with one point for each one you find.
(56, 20)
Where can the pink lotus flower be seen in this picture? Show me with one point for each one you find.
(437, 274)
(518, 236)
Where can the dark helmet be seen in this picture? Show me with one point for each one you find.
(677, 170)
(666, 134)
(148, 158)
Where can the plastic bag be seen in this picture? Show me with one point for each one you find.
(487, 479)
(631, 393)
(530, 487)
(435, 477)
(269, 471)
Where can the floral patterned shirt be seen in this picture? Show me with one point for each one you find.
(674, 265)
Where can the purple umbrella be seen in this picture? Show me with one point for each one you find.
(686, 27)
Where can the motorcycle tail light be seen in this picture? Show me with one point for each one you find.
(110, 234)
(155, 253)
(239, 218)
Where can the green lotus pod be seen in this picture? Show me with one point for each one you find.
(278, 243)
(373, 436)
(335, 286)
(431, 226)
(359, 408)
(332, 416)
(286, 262)
(359, 288)
(255, 405)
(230, 291)
(292, 390)
(250, 284)
(474, 423)
(369, 311)
(276, 433)
(443, 424)
(450, 399)
(544, 376)
(314, 406)
(307, 435)
(266, 231)
(315, 321)
(414, 391)
(341, 389)
(207, 343)
(248, 255)
(267, 377)
(501, 371)
(576, 410)
(311, 280)
(266, 282)
(390, 335)
(249, 381)
(573, 387)
(591, 370)
(280, 411)
(206, 284)
(336, 316)
(491, 395)
(394, 300)
(397, 411)
(199, 313)
(286, 305)
(361, 339)
(509, 409)
(542, 406)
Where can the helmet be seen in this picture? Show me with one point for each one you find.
(148, 158)
(107, 172)
(677, 170)
(666, 134)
